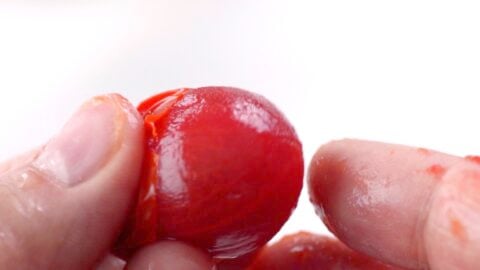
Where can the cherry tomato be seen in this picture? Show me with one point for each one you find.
(222, 170)
(308, 251)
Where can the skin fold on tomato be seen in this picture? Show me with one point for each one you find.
(222, 170)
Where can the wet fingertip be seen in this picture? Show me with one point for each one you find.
(170, 255)
(89, 140)
(133, 117)
(323, 169)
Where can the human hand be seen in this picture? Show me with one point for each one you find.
(410, 207)
(63, 204)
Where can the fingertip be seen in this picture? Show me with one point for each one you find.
(170, 255)
(323, 179)
(374, 196)
(98, 133)
(100, 204)
(121, 171)
(70, 198)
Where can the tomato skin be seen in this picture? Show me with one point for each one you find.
(223, 170)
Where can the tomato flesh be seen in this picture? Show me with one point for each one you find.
(222, 170)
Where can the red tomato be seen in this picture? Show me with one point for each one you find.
(222, 170)
(307, 251)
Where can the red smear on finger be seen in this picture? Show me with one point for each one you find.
(458, 229)
(423, 151)
(475, 159)
(436, 170)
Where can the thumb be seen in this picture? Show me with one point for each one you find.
(62, 207)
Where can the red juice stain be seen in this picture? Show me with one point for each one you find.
(475, 159)
(458, 229)
(423, 151)
(436, 170)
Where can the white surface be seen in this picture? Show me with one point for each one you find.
(396, 71)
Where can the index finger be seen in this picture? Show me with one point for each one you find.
(411, 207)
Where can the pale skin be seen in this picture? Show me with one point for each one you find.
(63, 204)
(408, 206)
(59, 211)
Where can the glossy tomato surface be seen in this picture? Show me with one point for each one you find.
(222, 170)
(307, 251)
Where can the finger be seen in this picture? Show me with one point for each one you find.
(378, 198)
(304, 251)
(64, 209)
(170, 255)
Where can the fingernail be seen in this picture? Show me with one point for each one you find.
(84, 145)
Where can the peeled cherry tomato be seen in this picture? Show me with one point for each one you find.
(307, 251)
(222, 171)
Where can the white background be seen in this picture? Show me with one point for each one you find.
(397, 71)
